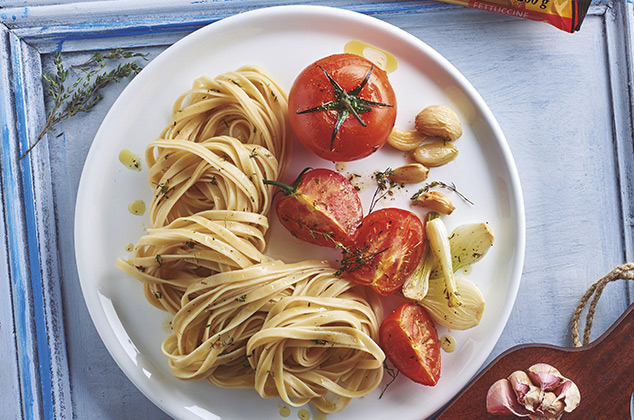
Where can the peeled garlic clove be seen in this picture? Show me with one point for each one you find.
(435, 201)
(568, 392)
(435, 153)
(439, 121)
(405, 140)
(545, 376)
(502, 400)
(527, 393)
(411, 173)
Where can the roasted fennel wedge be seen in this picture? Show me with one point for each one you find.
(462, 317)
(453, 301)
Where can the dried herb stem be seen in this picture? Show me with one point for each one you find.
(440, 184)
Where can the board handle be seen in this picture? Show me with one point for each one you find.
(603, 370)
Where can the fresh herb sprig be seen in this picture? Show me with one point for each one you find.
(384, 186)
(355, 258)
(393, 373)
(440, 184)
(84, 93)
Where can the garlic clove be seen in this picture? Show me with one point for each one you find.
(545, 376)
(502, 400)
(527, 393)
(568, 392)
(550, 407)
(439, 121)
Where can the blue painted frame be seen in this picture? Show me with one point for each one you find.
(30, 298)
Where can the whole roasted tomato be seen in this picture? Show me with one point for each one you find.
(321, 207)
(342, 107)
(409, 339)
(388, 247)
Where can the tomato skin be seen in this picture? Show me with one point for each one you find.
(390, 242)
(409, 339)
(314, 130)
(324, 209)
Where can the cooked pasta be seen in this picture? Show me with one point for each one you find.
(240, 319)
(169, 259)
(246, 104)
(291, 330)
(219, 172)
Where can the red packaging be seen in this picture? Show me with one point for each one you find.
(566, 15)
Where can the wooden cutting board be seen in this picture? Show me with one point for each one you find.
(603, 370)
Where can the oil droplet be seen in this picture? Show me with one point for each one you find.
(341, 166)
(448, 343)
(130, 160)
(129, 247)
(303, 414)
(137, 207)
(320, 415)
(467, 269)
(166, 325)
(381, 58)
(285, 411)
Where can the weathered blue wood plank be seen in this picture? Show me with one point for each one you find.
(564, 102)
(147, 24)
(11, 329)
(18, 235)
(32, 245)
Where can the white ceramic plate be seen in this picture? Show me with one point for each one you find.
(283, 40)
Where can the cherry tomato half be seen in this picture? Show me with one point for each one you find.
(388, 247)
(324, 99)
(322, 207)
(409, 339)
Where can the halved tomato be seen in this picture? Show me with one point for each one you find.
(388, 247)
(321, 207)
(409, 339)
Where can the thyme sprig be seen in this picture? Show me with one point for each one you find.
(355, 258)
(440, 184)
(393, 373)
(384, 185)
(84, 93)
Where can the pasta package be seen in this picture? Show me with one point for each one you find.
(566, 15)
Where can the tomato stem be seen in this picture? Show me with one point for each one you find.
(286, 189)
(346, 103)
(289, 189)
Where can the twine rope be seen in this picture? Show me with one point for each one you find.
(621, 272)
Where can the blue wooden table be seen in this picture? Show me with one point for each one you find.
(564, 102)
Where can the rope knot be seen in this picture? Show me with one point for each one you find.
(621, 272)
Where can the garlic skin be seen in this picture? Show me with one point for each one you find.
(541, 393)
(545, 376)
(527, 393)
(501, 400)
(550, 407)
(569, 393)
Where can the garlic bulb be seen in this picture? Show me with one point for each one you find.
(462, 317)
(541, 393)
